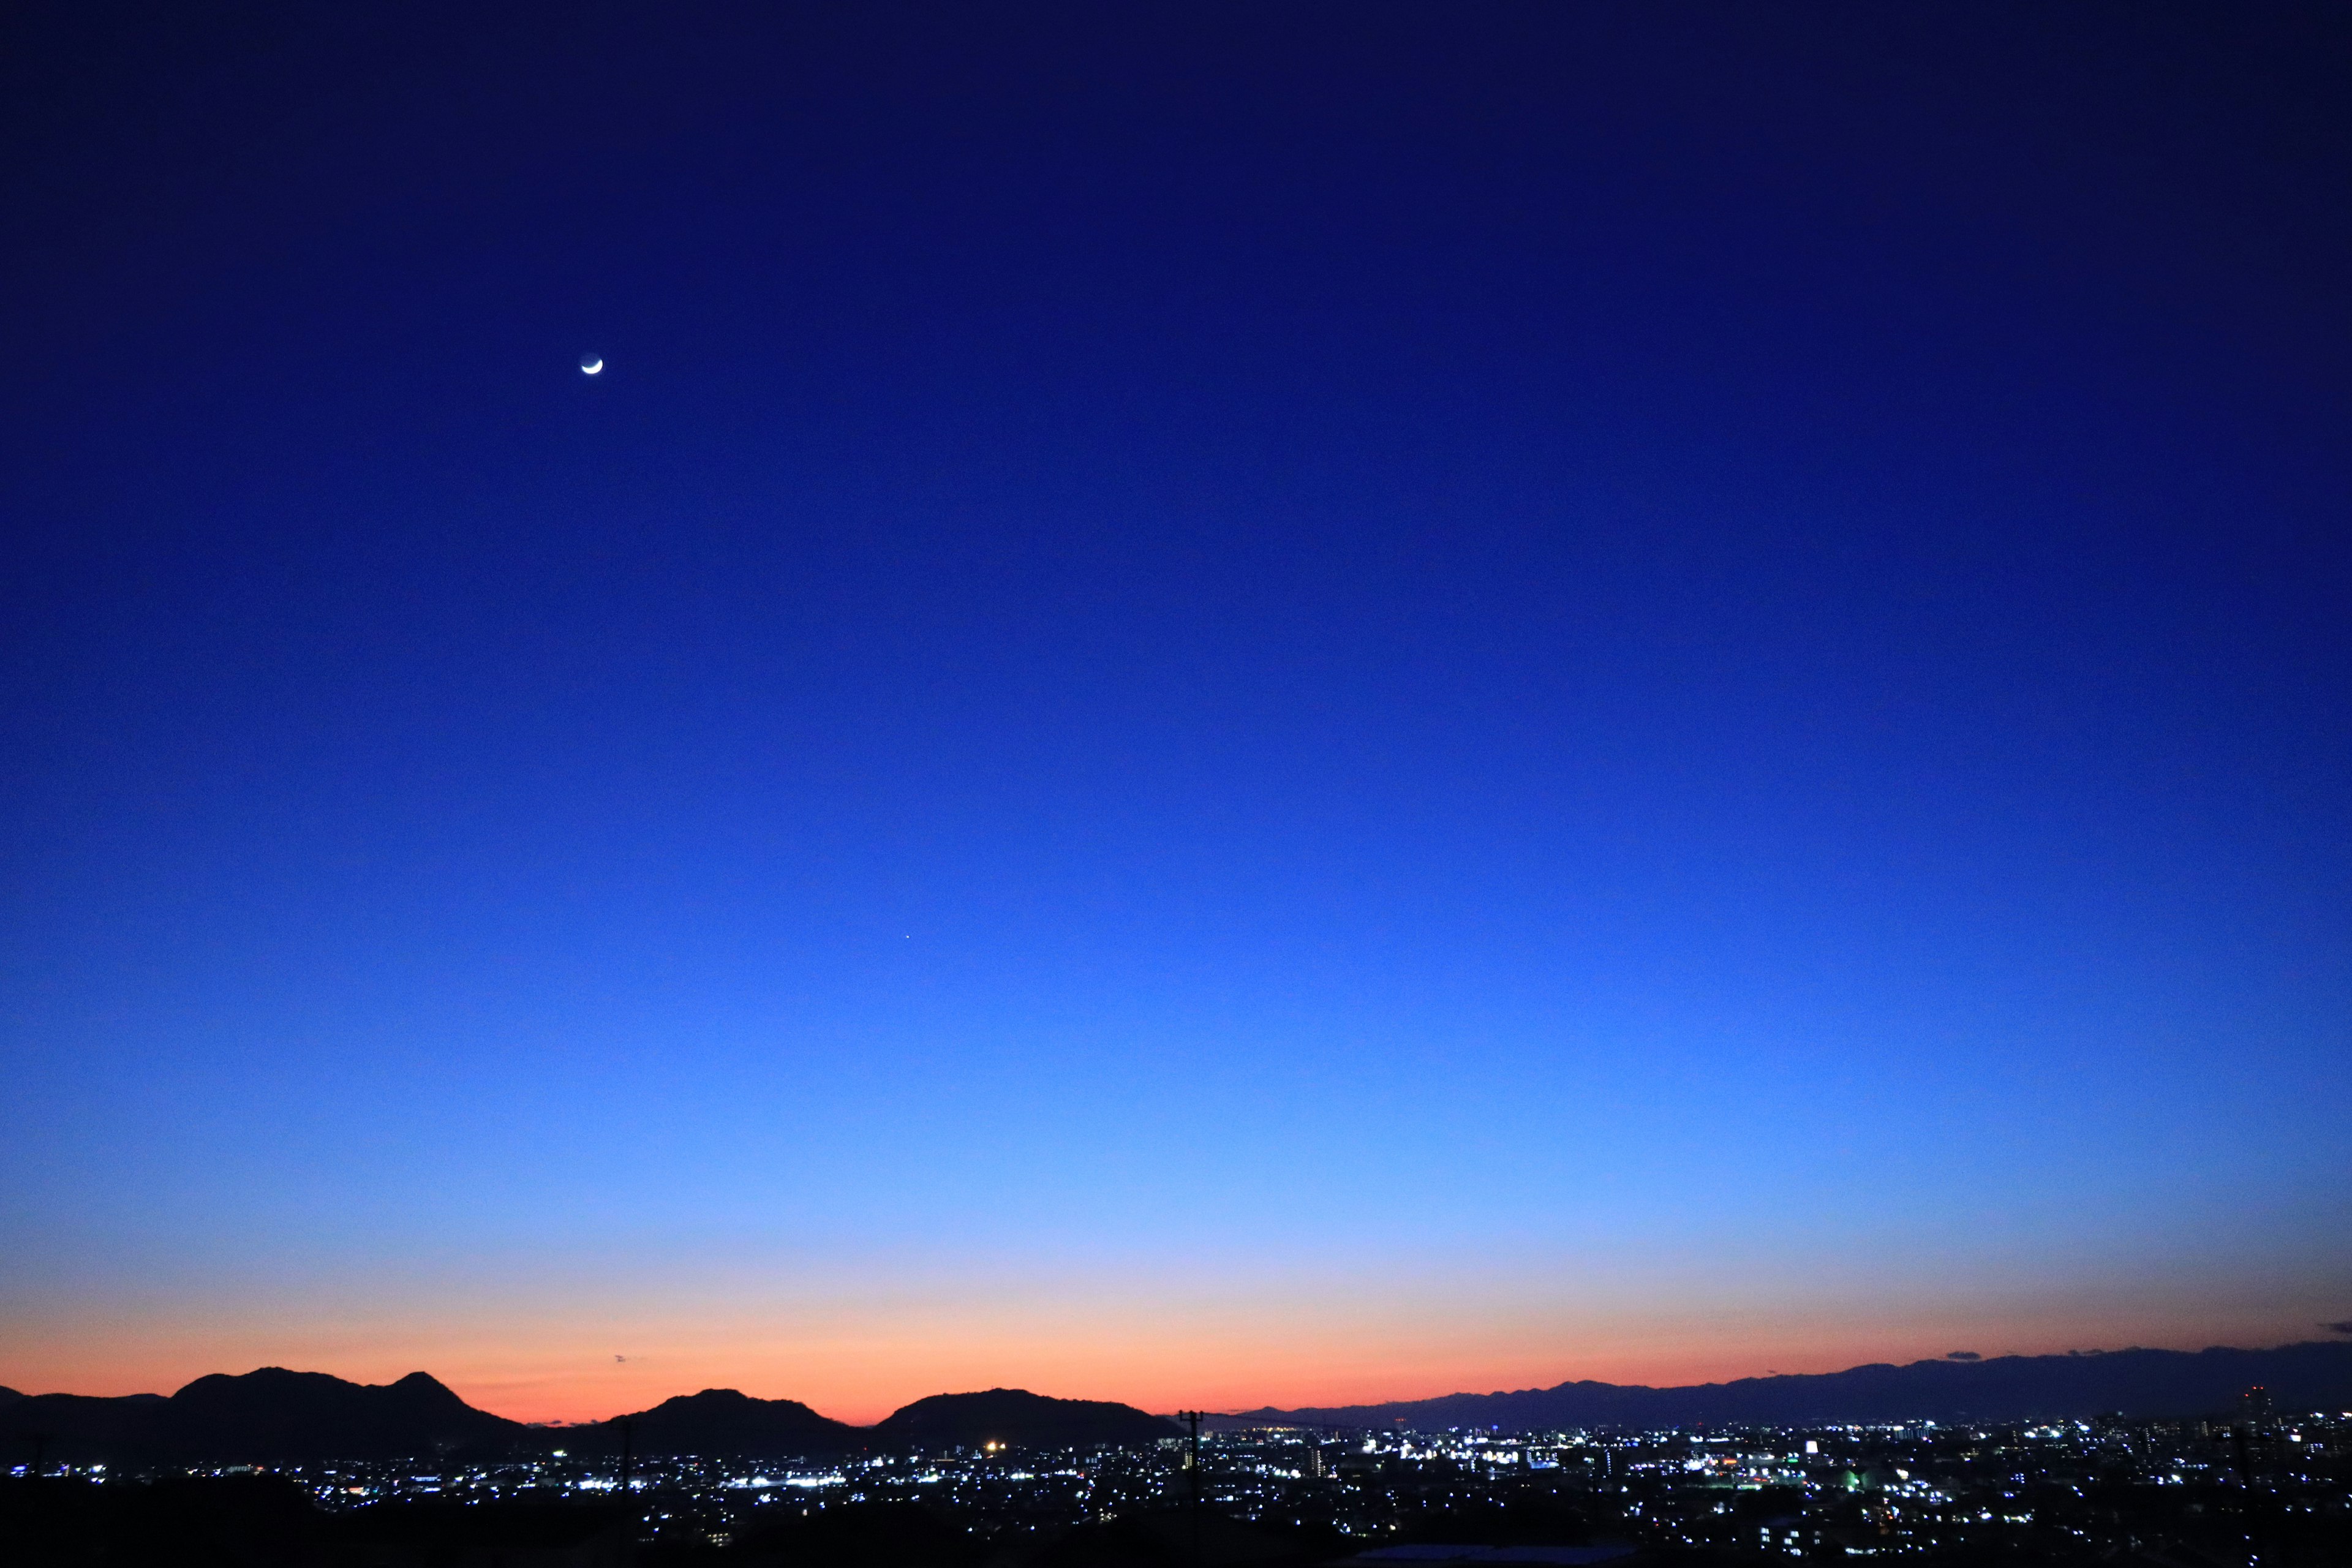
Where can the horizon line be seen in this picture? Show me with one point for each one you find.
(1955, 1358)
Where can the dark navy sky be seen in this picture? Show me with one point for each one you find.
(1216, 703)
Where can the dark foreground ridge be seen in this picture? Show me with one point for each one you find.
(267, 1522)
(2136, 1383)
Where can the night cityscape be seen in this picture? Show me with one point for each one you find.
(2251, 1486)
(1175, 784)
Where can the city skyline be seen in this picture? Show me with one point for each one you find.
(1756, 1492)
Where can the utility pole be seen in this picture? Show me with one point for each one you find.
(1193, 1461)
(629, 1431)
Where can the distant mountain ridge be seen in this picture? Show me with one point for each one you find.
(275, 1417)
(267, 1417)
(719, 1421)
(273, 1412)
(2146, 1383)
(1017, 1419)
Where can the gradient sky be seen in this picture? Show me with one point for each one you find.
(1219, 704)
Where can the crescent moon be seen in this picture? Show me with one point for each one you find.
(591, 365)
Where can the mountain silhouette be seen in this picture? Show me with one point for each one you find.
(273, 1415)
(267, 1416)
(721, 1423)
(1017, 1419)
(276, 1417)
(2149, 1383)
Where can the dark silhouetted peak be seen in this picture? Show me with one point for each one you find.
(274, 1382)
(424, 1385)
(274, 1413)
(2149, 1383)
(1017, 1419)
(720, 1421)
(713, 1401)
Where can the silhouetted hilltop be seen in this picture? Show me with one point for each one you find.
(1018, 1418)
(2004, 1388)
(269, 1416)
(277, 1416)
(274, 1415)
(721, 1422)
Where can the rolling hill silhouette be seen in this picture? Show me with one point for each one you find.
(2004, 1388)
(1017, 1419)
(276, 1417)
(267, 1416)
(721, 1422)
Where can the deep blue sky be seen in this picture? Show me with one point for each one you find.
(1218, 703)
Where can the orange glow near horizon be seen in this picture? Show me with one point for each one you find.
(859, 1370)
